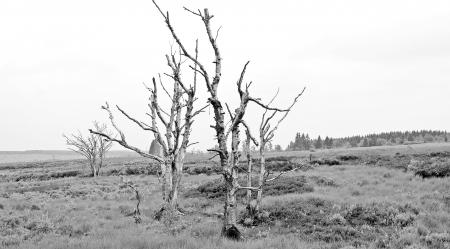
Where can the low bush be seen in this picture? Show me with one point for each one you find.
(323, 181)
(140, 170)
(204, 169)
(323, 220)
(430, 168)
(283, 185)
(348, 158)
(47, 176)
(329, 162)
(280, 166)
(279, 159)
(440, 154)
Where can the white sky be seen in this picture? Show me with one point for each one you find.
(369, 66)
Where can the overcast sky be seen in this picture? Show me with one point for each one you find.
(369, 66)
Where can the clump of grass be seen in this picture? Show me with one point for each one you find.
(438, 240)
(82, 229)
(35, 207)
(19, 207)
(38, 227)
(126, 210)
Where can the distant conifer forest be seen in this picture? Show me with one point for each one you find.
(303, 141)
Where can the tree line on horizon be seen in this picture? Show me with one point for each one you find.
(303, 141)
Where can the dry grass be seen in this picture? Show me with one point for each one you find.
(80, 212)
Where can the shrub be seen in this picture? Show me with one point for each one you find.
(440, 154)
(430, 168)
(283, 185)
(208, 170)
(329, 162)
(322, 220)
(280, 159)
(323, 181)
(348, 158)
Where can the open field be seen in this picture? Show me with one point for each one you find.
(49, 155)
(369, 200)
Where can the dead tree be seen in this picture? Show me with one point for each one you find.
(229, 159)
(266, 134)
(171, 129)
(247, 151)
(93, 147)
(137, 211)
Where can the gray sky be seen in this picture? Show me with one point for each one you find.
(369, 66)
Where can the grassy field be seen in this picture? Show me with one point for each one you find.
(50, 155)
(369, 201)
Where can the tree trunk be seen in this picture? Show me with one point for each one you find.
(249, 174)
(169, 181)
(92, 168)
(229, 228)
(96, 171)
(163, 180)
(262, 172)
(177, 170)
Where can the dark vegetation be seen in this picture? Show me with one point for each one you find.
(322, 220)
(283, 185)
(435, 167)
(329, 162)
(48, 176)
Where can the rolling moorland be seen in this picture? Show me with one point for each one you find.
(366, 197)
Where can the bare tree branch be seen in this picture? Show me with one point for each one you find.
(143, 125)
(255, 142)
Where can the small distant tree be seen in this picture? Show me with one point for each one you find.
(93, 147)
(328, 142)
(393, 140)
(428, 138)
(365, 142)
(445, 137)
(318, 143)
(354, 142)
(278, 147)
(307, 142)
